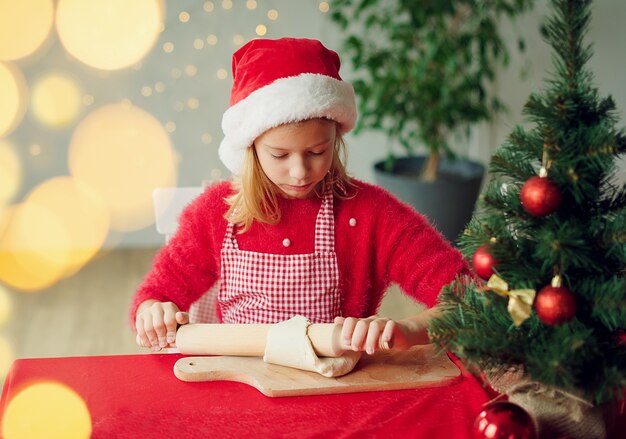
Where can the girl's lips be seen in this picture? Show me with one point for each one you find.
(298, 188)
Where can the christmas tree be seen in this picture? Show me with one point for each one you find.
(549, 237)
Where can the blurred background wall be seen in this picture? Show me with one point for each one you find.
(101, 101)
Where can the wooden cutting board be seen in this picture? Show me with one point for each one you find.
(417, 367)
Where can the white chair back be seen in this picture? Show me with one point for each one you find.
(168, 203)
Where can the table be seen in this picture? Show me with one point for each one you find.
(139, 396)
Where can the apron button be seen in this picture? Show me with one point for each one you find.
(352, 222)
(286, 242)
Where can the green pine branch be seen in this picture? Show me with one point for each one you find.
(574, 137)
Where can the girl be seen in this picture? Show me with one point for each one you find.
(293, 233)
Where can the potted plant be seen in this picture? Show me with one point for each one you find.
(422, 69)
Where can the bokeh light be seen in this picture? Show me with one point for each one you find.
(34, 149)
(6, 307)
(83, 213)
(58, 228)
(24, 26)
(31, 256)
(13, 101)
(109, 34)
(209, 6)
(123, 152)
(56, 100)
(10, 172)
(46, 410)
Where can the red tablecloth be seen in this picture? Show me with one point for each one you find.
(139, 396)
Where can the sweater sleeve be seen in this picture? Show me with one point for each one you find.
(185, 268)
(412, 253)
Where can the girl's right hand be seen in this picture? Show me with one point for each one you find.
(156, 324)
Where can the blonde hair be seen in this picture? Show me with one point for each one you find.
(256, 197)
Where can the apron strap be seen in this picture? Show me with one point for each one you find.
(325, 224)
(229, 239)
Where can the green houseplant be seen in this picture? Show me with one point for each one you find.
(421, 73)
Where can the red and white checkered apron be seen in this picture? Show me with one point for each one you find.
(269, 288)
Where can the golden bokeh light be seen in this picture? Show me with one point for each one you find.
(193, 103)
(324, 7)
(58, 228)
(46, 410)
(34, 149)
(109, 34)
(10, 172)
(7, 355)
(82, 212)
(170, 126)
(206, 138)
(261, 30)
(191, 70)
(6, 307)
(24, 26)
(209, 6)
(31, 254)
(13, 101)
(168, 47)
(272, 14)
(216, 174)
(123, 152)
(222, 73)
(56, 100)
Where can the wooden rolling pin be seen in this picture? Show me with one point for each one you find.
(250, 340)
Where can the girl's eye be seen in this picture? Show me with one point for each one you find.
(278, 157)
(317, 152)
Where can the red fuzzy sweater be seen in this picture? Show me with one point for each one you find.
(390, 242)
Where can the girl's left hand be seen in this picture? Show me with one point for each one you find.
(372, 334)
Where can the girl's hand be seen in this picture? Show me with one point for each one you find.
(373, 333)
(156, 324)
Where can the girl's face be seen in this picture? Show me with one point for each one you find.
(296, 157)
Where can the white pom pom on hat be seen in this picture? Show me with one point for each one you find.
(282, 81)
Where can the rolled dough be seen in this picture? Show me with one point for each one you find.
(289, 345)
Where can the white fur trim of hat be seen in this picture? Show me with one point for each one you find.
(286, 100)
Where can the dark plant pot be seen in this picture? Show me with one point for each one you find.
(447, 202)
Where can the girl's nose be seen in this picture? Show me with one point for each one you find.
(298, 168)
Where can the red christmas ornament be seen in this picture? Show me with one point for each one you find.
(540, 197)
(504, 420)
(555, 305)
(483, 262)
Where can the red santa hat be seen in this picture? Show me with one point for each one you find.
(278, 82)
